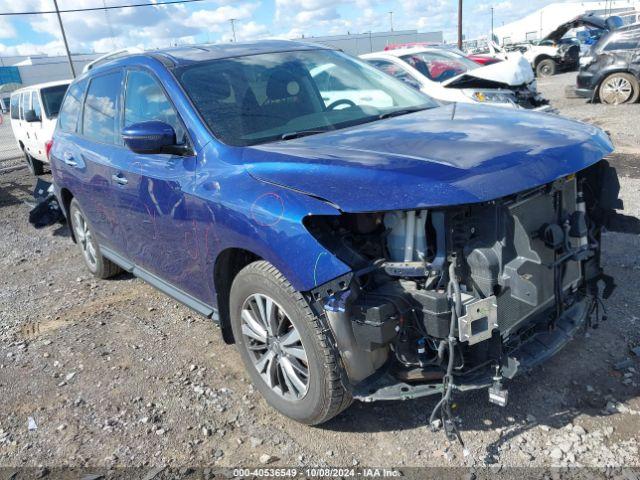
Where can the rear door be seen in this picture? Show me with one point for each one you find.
(98, 145)
(25, 105)
(35, 128)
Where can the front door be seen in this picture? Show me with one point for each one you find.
(153, 206)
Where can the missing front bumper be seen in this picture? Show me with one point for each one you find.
(527, 355)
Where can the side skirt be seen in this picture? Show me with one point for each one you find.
(164, 287)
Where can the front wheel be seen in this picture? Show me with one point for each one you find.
(619, 88)
(546, 68)
(284, 347)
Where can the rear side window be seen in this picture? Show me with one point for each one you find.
(52, 99)
(35, 105)
(145, 100)
(100, 114)
(15, 107)
(68, 121)
(622, 41)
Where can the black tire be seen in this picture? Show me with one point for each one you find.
(98, 265)
(36, 167)
(325, 396)
(623, 82)
(546, 68)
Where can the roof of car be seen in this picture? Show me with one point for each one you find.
(399, 52)
(197, 53)
(42, 85)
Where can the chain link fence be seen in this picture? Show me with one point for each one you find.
(11, 158)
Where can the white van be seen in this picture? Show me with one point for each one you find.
(34, 111)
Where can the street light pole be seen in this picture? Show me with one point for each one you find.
(391, 20)
(233, 27)
(460, 24)
(64, 39)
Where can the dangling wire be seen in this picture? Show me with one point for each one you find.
(443, 407)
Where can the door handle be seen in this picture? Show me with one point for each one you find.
(69, 160)
(119, 179)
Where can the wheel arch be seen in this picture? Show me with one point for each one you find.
(228, 264)
(541, 57)
(65, 198)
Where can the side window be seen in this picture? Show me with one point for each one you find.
(68, 118)
(100, 113)
(24, 103)
(15, 107)
(35, 105)
(145, 101)
(622, 41)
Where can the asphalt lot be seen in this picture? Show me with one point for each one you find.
(113, 373)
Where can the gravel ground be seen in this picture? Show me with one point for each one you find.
(112, 373)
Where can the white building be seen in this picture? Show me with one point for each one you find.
(43, 68)
(542, 22)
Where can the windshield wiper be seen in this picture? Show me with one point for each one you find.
(401, 111)
(301, 133)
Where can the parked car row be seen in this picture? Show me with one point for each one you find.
(353, 237)
(556, 52)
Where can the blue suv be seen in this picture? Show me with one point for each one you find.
(353, 238)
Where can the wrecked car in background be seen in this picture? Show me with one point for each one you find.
(611, 72)
(350, 251)
(449, 76)
(556, 51)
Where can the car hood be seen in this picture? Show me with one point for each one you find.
(455, 154)
(512, 72)
(589, 20)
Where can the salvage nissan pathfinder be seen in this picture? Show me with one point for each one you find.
(353, 238)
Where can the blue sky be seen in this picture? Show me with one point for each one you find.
(208, 21)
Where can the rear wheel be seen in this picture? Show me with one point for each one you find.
(36, 167)
(619, 88)
(284, 347)
(98, 265)
(546, 68)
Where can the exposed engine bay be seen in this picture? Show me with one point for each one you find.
(464, 297)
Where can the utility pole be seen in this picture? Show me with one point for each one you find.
(64, 39)
(233, 27)
(492, 24)
(391, 20)
(460, 24)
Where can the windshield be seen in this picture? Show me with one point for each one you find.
(52, 99)
(277, 96)
(441, 65)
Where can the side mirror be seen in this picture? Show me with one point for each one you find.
(30, 116)
(149, 137)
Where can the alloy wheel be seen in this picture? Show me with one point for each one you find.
(84, 238)
(275, 347)
(616, 90)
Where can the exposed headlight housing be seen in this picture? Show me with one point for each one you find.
(484, 96)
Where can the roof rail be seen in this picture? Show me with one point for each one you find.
(107, 57)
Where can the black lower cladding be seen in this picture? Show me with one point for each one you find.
(527, 349)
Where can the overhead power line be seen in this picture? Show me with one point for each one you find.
(93, 9)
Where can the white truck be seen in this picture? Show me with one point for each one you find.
(34, 111)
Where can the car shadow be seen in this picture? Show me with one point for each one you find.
(551, 396)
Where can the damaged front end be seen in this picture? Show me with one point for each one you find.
(464, 297)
